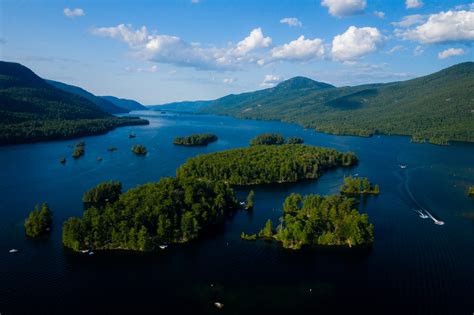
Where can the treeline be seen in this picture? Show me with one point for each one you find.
(262, 164)
(169, 211)
(359, 186)
(274, 139)
(46, 130)
(316, 220)
(195, 140)
(39, 221)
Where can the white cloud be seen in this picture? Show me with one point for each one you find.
(356, 42)
(413, 4)
(418, 51)
(229, 80)
(410, 20)
(451, 52)
(291, 21)
(379, 14)
(270, 80)
(151, 69)
(443, 27)
(173, 50)
(342, 8)
(74, 12)
(396, 48)
(300, 49)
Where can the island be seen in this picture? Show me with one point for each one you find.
(359, 186)
(471, 191)
(249, 201)
(316, 220)
(39, 221)
(248, 237)
(268, 139)
(195, 140)
(295, 140)
(143, 218)
(79, 150)
(265, 164)
(103, 193)
(139, 149)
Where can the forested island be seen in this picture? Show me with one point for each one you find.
(471, 191)
(195, 140)
(139, 149)
(143, 218)
(264, 164)
(274, 139)
(317, 220)
(39, 221)
(79, 150)
(359, 186)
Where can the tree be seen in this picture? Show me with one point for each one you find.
(139, 149)
(250, 197)
(39, 221)
(103, 193)
(267, 231)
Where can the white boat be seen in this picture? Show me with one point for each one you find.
(218, 305)
(403, 166)
(13, 250)
(163, 246)
(242, 203)
(91, 253)
(357, 174)
(84, 251)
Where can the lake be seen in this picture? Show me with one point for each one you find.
(414, 266)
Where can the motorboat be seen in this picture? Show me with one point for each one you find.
(13, 250)
(163, 246)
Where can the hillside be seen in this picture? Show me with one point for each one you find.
(437, 107)
(129, 105)
(32, 110)
(100, 102)
(185, 106)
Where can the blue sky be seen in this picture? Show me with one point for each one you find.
(163, 51)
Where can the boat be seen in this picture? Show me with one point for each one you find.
(163, 246)
(357, 174)
(84, 251)
(403, 166)
(218, 305)
(91, 253)
(13, 250)
(132, 135)
(242, 203)
(436, 221)
(62, 160)
(99, 158)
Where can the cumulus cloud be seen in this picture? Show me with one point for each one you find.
(356, 42)
(173, 50)
(270, 80)
(413, 4)
(341, 8)
(300, 49)
(396, 48)
(291, 21)
(443, 27)
(379, 14)
(418, 51)
(410, 20)
(73, 12)
(451, 52)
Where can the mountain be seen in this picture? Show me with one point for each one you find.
(129, 105)
(437, 107)
(100, 102)
(185, 106)
(32, 110)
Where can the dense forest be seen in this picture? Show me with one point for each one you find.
(359, 186)
(435, 108)
(169, 211)
(263, 164)
(195, 140)
(316, 220)
(274, 139)
(39, 221)
(32, 110)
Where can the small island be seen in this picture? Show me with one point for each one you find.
(139, 149)
(249, 201)
(149, 216)
(248, 237)
(112, 149)
(471, 191)
(79, 150)
(268, 139)
(195, 140)
(39, 221)
(359, 186)
(316, 220)
(265, 164)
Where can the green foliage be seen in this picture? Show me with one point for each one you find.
(263, 164)
(32, 110)
(359, 186)
(248, 237)
(436, 107)
(102, 194)
(195, 140)
(169, 211)
(139, 149)
(249, 202)
(471, 191)
(79, 150)
(39, 221)
(295, 140)
(312, 219)
(268, 139)
(267, 230)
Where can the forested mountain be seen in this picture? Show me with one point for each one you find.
(32, 110)
(129, 105)
(100, 102)
(438, 107)
(189, 107)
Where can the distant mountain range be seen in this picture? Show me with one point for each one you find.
(126, 104)
(191, 106)
(31, 109)
(437, 107)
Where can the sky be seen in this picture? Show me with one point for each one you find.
(163, 51)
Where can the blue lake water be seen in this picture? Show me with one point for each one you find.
(414, 266)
